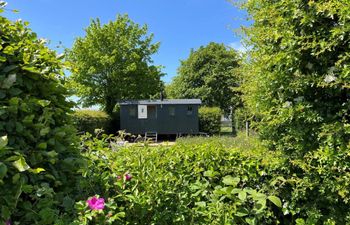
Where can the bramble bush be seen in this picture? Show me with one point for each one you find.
(39, 158)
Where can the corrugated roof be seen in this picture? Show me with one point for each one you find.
(163, 102)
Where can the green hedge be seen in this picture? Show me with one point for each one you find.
(89, 120)
(39, 158)
(209, 119)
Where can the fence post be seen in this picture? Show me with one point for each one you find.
(247, 127)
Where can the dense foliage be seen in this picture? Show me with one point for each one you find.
(298, 69)
(89, 120)
(297, 88)
(113, 62)
(209, 74)
(39, 158)
(212, 181)
(194, 182)
(209, 119)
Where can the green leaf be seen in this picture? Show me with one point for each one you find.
(42, 145)
(275, 200)
(9, 68)
(5, 212)
(16, 178)
(3, 170)
(28, 119)
(30, 69)
(21, 164)
(44, 131)
(251, 221)
(242, 195)
(3, 142)
(27, 188)
(241, 212)
(9, 81)
(52, 154)
(229, 180)
(43, 103)
(300, 221)
(37, 170)
(209, 173)
(201, 204)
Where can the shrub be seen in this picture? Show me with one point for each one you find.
(193, 183)
(209, 119)
(89, 120)
(213, 181)
(297, 79)
(38, 166)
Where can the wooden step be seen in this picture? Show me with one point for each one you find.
(151, 136)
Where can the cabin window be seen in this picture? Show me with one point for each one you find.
(132, 112)
(171, 111)
(189, 110)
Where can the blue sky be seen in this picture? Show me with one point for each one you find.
(179, 25)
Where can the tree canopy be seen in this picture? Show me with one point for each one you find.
(113, 62)
(298, 72)
(210, 74)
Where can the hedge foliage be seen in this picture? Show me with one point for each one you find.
(209, 120)
(298, 73)
(191, 183)
(297, 86)
(39, 158)
(89, 120)
(213, 181)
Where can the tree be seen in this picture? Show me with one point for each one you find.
(298, 79)
(209, 73)
(113, 62)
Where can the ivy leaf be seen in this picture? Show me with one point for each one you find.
(21, 165)
(275, 200)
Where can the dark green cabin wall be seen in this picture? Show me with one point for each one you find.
(164, 123)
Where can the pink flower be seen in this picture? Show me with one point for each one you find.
(119, 177)
(8, 222)
(128, 177)
(96, 203)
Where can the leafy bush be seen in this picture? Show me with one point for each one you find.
(297, 86)
(89, 120)
(209, 119)
(196, 183)
(213, 181)
(38, 150)
(297, 79)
